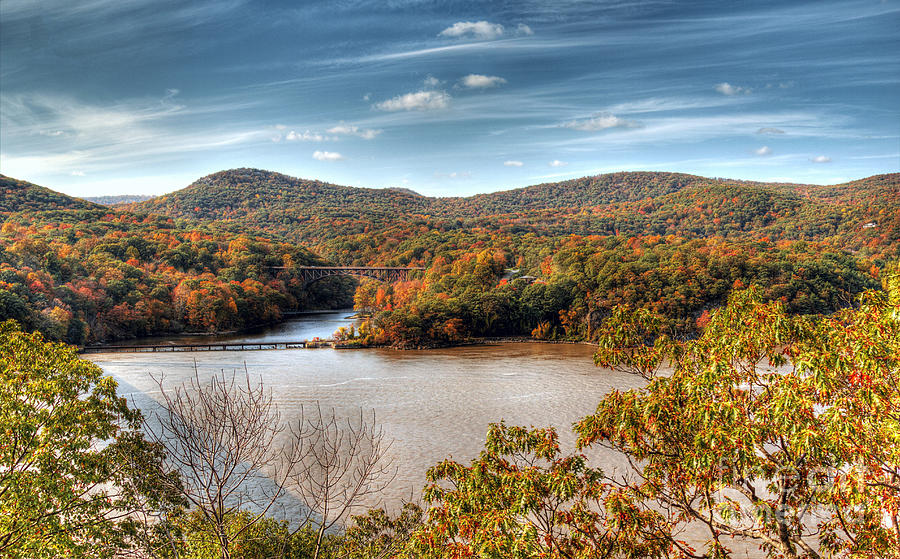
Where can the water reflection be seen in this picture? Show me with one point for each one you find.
(435, 403)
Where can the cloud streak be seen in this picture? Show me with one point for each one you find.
(353, 130)
(479, 81)
(418, 101)
(473, 29)
(600, 121)
(726, 88)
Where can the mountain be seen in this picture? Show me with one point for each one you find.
(22, 196)
(120, 200)
(634, 203)
(239, 193)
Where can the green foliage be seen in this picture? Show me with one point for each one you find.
(378, 534)
(73, 463)
(186, 535)
(523, 498)
(778, 431)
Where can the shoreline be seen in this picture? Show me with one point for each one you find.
(245, 330)
(171, 338)
(463, 343)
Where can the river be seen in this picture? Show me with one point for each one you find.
(434, 404)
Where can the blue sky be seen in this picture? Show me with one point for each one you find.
(447, 98)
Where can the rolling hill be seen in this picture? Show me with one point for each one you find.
(22, 196)
(635, 203)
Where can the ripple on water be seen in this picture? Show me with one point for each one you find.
(435, 404)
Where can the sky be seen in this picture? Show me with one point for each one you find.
(104, 97)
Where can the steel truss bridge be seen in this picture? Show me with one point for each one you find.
(310, 274)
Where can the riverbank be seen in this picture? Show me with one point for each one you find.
(251, 332)
(357, 344)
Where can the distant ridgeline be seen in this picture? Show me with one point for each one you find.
(217, 254)
(119, 200)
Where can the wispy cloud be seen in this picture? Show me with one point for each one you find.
(764, 150)
(558, 163)
(476, 29)
(770, 130)
(327, 155)
(513, 163)
(479, 81)
(353, 130)
(306, 136)
(821, 159)
(523, 29)
(424, 100)
(600, 121)
(726, 88)
(454, 175)
(483, 30)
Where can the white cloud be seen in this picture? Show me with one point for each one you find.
(454, 175)
(512, 163)
(821, 159)
(417, 101)
(327, 155)
(524, 29)
(600, 121)
(479, 81)
(77, 173)
(51, 133)
(475, 29)
(353, 130)
(305, 136)
(431, 82)
(770, 130)
(726, 88)
(765, 150)
(558, 163)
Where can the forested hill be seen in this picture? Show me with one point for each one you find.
(863, 215)
(22, 196)
(238, 193)
(266, 195)
(81, 272)
(576, 193)
(119, 200)
(672, 243)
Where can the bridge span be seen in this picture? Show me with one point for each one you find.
(217, 346)
(386, 274)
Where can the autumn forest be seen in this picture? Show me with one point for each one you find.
(762, 319)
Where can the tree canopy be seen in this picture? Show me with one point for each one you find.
(73, 462)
